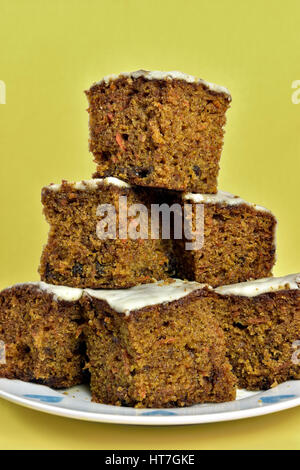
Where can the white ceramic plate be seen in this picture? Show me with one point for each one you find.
(76, 403)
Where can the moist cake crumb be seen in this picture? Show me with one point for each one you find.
(239, 241)
(158, 129)
(75, 254)
(261, 321)
(156, 346)
(41, 327)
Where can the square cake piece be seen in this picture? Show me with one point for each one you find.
(158, 129)
(86, 244)
(156, 345)
(238, 241)
(261, 321)
(40, 334)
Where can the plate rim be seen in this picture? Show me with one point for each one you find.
(142, 420)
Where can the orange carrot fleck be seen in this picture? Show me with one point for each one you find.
(120, 142)
(167, 340)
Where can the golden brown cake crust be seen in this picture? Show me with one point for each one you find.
(157, 133)
(42, 337)
(260, 332)
(239, 241)
(77, 257)
(239, 245)
(163, 355)
(166, 355)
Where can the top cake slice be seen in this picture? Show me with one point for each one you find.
(158, 129)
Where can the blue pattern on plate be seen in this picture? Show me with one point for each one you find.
(159, 413)
(40, 397)
(277, 399)
(45, 398)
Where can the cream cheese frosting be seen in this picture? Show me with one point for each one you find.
(222, 197)
(135, 298)
(172, 75)
(91, 184)
(261, 286)
(69, 294)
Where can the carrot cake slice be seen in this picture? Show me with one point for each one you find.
(158, 129)
(156, 345)
(238, 240)
(261, 321)
(96, 241)
(40, 334)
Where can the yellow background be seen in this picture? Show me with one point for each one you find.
(50, 51)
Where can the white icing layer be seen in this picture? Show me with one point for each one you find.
(172, 75)
(91, 184)
(261, 286)
(222, 197)
(69, 294)
(135, 298)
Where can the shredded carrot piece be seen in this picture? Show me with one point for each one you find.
(120, 142)
(167, 340)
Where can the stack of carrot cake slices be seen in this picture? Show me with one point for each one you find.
(156, 286)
